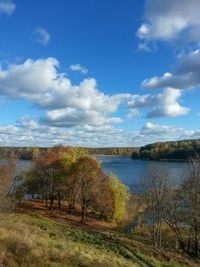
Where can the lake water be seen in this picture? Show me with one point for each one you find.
(131, 172)
(20, 164)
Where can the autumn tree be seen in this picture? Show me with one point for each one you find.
(156, 196)
(104, 201)
(183, 212)
(71, 182)
(29, 182)
(174, 217)
(7, 173)
(51, 175)
(120, 195)
(89, 176)
(50, 168)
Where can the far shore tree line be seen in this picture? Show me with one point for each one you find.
(31, 153)
(176, 150)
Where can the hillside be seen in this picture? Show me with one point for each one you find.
(39, 240)
(176, 150)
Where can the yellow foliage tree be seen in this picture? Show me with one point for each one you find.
(120, 195)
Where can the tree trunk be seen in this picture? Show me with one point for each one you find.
(182, 245)
(51, 203)
(189, 244)
(101, 215)
(69, 208)
(59, 200)
(196, 245)
(83, 213)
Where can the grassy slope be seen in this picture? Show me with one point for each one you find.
(29, 240)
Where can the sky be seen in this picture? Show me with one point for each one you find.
(99, 73)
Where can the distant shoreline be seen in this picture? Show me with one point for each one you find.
(121, 156)
(165, 160)
(109, 156)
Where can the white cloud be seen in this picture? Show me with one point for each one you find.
(133, 112)
(168, 20)
(162, 105)
(42, 36)
(29, 133)
(186, 74)
(28, 80)
(7, 7)
(72, 117)
(67, 105)
(78, 67)
(87, 112)
(156, 129)
(151, 133)
(8, 130)
(26, 122)
(84, 96)
(143, 47)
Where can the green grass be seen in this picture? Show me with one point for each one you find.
(32, 241)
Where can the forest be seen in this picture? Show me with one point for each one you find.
(176, 150)
(29, 153)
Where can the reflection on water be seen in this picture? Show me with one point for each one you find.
(131, 172)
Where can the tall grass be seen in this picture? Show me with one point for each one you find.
(31, 241)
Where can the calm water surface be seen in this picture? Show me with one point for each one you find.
(20, 164)
(131, 172)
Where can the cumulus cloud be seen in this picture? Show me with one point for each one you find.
(85, 96)
(7, 7)
(28, 80)
(151, 133)
(164, 104)
(27, 132)
(133, 112)
(72, 117)
(156, 129)
(26, 122)
(186, 74)
(67, 105)
(78, 67)
(42, 36)
(168, 20)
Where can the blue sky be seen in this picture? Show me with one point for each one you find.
(99, 73)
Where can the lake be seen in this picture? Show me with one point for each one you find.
(129, 171)
(20, 164)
